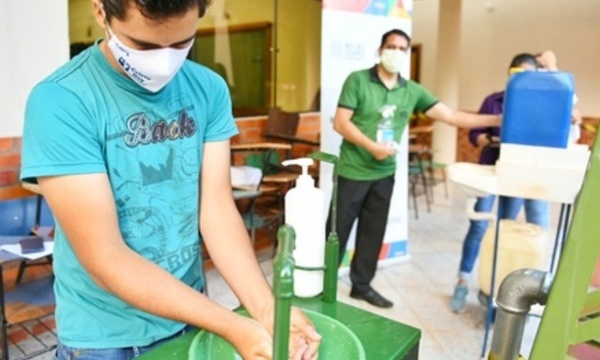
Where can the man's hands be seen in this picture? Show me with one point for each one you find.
(304, 339)
(252, 340)
(547, 60)
(303, 343)
(381, 151)
(488, 140)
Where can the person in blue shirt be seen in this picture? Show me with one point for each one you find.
(129, 143)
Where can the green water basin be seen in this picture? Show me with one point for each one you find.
(338, 342)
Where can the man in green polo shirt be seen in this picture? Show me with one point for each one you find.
(367, 166)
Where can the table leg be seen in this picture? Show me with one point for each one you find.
(566, 226)
(3, 324)
(557, 238)
(489, 311)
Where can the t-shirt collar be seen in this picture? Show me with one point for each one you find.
(375, 77)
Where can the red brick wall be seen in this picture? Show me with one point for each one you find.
(465, 151)
(10, 161)
(251, 130)
(589, 128)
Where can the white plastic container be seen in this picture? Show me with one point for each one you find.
(520, 245)
(543, 173)
(304, 211)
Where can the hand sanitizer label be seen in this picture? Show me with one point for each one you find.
(385, 127)
(385, 135)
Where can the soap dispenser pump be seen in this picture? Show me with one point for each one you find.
(305, 212)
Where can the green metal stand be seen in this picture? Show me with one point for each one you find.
(379, 338)
(572, 313)
(333, 244)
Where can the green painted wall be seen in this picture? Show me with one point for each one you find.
(297, 72)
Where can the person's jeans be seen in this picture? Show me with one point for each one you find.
(536, 212)
(64, 352)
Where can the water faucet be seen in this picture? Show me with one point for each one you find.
(283, 290)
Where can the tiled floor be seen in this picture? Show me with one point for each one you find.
(420, 287)
(31, 337)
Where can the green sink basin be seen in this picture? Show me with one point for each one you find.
(338, 342)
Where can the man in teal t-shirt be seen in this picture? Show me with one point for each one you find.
(129, 143)
(366, 166)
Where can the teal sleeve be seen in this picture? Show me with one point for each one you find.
(425, 99)
(350, 93)
(221, 125)
(59, 136)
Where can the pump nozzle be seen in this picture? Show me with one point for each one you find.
(302, 162)
(304, 179)
(387, 111)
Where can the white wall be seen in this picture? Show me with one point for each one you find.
(425, 32)
(34, 39)
(495, 30)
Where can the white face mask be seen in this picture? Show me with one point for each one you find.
(393, 60)
(151, 69)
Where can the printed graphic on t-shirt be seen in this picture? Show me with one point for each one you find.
(154, 160)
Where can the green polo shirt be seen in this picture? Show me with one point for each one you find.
(365, 94)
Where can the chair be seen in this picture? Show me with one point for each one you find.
(21, 213)
(432, 168)
(422, 135)
(282, 127)
(417, 174)
(259, 202)
(24, 212)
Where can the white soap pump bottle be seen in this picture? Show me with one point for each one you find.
(305, 212)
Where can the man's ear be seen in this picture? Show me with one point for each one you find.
(99, 13)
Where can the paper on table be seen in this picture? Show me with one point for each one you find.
(16, 249)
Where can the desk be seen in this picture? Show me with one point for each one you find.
(270, 184)
(239, 194)
(420, 134)
(260, 146)
(28, 301)
(416, 167)
(266, 148)
(420, 129)
(382, 338)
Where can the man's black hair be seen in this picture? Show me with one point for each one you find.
(153, 9)
(523, 58)
(394, 32)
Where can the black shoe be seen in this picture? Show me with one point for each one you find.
(372, 297)
(483, 300)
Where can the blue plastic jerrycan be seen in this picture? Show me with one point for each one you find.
(537, 109)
